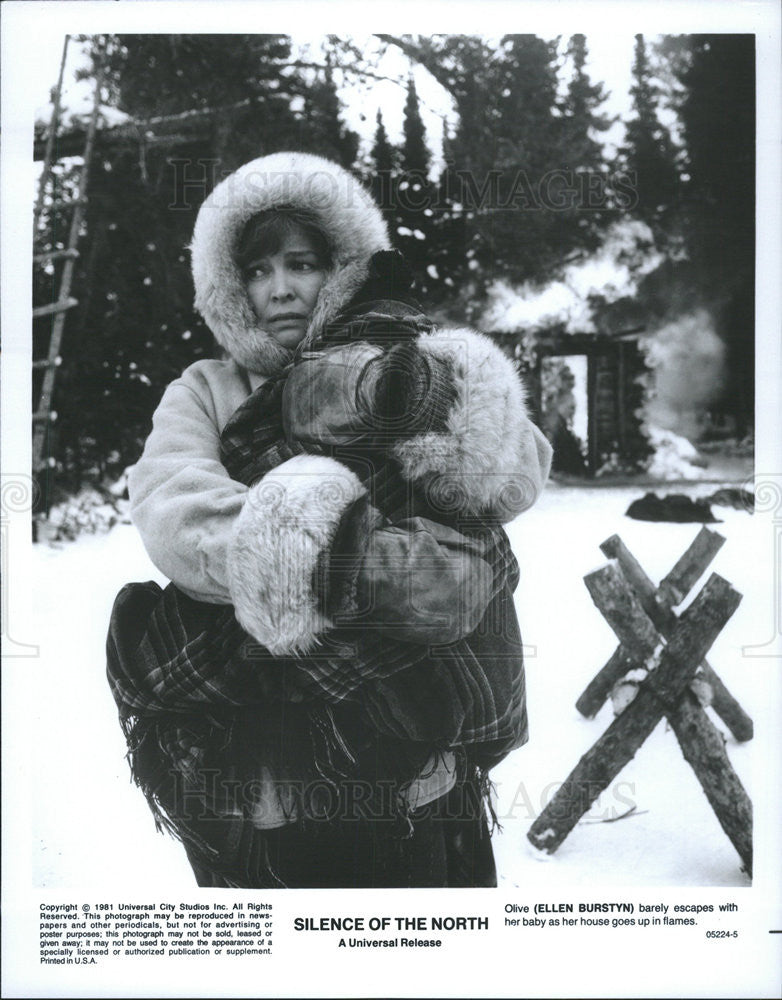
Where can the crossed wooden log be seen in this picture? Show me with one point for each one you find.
(671, 654)
(657, 603)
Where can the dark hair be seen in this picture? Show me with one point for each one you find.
(265, 232)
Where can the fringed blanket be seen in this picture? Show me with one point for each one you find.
(207, 711)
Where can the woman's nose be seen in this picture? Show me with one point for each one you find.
(281, 284)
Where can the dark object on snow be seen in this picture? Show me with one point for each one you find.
(673, 507)
(733, 496)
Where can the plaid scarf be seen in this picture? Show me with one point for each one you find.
(205, 709)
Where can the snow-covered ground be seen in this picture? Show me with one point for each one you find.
(92, 826)
(672, 837)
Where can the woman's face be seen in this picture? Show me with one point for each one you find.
(283, 287)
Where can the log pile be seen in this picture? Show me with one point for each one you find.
(658, 604)
(667, 651)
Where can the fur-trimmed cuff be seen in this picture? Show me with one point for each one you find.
(491, 459)
(288, 520)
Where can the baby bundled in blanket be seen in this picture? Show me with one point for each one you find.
(327, 502)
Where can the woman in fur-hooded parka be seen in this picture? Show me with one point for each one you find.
(340, 612)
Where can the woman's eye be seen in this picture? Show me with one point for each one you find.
(256, 271)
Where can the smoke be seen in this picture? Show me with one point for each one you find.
(613, 272)
(688, 361)
(686, 354)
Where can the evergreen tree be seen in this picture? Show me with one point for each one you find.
(164, 74)
(581, 111)
(523, 236)
(509, 202)
(526, 122)
(414, 194)
(648, 151)
(465, 66)
(383, 153)
(322, 128)
(383, 178)
(583, 156)
(415, 154)
(448, 222)
(240, 75)
(135, 328)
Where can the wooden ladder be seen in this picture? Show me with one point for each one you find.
(42, 415)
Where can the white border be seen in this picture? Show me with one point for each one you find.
(587, 964)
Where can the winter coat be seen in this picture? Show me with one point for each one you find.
(213, 536)
(404, 447)
(223, 542)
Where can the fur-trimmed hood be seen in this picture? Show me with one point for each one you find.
(346, 211)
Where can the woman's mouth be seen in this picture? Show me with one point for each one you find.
(287, 317)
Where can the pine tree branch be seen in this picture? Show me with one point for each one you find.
(425, 59)
(298, 64)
